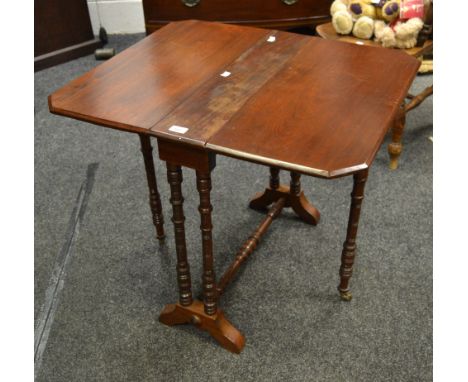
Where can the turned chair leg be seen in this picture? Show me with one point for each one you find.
(154, 198)
(395, 147)
(349, 246)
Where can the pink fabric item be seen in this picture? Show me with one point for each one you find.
(412, 8)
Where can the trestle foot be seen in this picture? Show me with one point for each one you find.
(216, 325)
(295, 197)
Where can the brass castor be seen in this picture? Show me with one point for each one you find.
(346, 295)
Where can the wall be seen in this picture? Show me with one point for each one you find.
(117, 16)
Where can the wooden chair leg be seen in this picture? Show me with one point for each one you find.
(418, 99)
(154, 198)
(349, 246)
(395, 147)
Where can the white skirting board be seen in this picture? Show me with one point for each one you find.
(117, 16)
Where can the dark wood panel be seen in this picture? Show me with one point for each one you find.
(66, 54)
(264, 13)
(62, 31)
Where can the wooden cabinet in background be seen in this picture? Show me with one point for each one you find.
(62, 32)
(277, 14)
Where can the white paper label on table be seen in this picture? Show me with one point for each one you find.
(178, 129)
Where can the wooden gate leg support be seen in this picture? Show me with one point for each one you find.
(349, 246)
(154, 199)
(293, 195)
(206, 316)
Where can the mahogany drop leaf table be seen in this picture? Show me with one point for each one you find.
(287, 101)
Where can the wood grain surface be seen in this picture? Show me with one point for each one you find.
(295, 102)
(208, 109)
(325, 112)
(139, 86)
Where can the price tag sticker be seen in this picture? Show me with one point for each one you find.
(178, 129)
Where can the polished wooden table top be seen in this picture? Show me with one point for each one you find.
(297, 102)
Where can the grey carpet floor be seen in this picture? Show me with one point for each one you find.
(104, 325)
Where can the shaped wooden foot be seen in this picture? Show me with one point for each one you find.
(295, 197)
(299, 203)
(216, 325)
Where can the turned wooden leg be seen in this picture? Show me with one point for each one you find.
(205, 208)
(154, 199)
(174, 177)
(206, 316)
(395, 147)
(274, 178)
(294, 197)
(349, 246)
